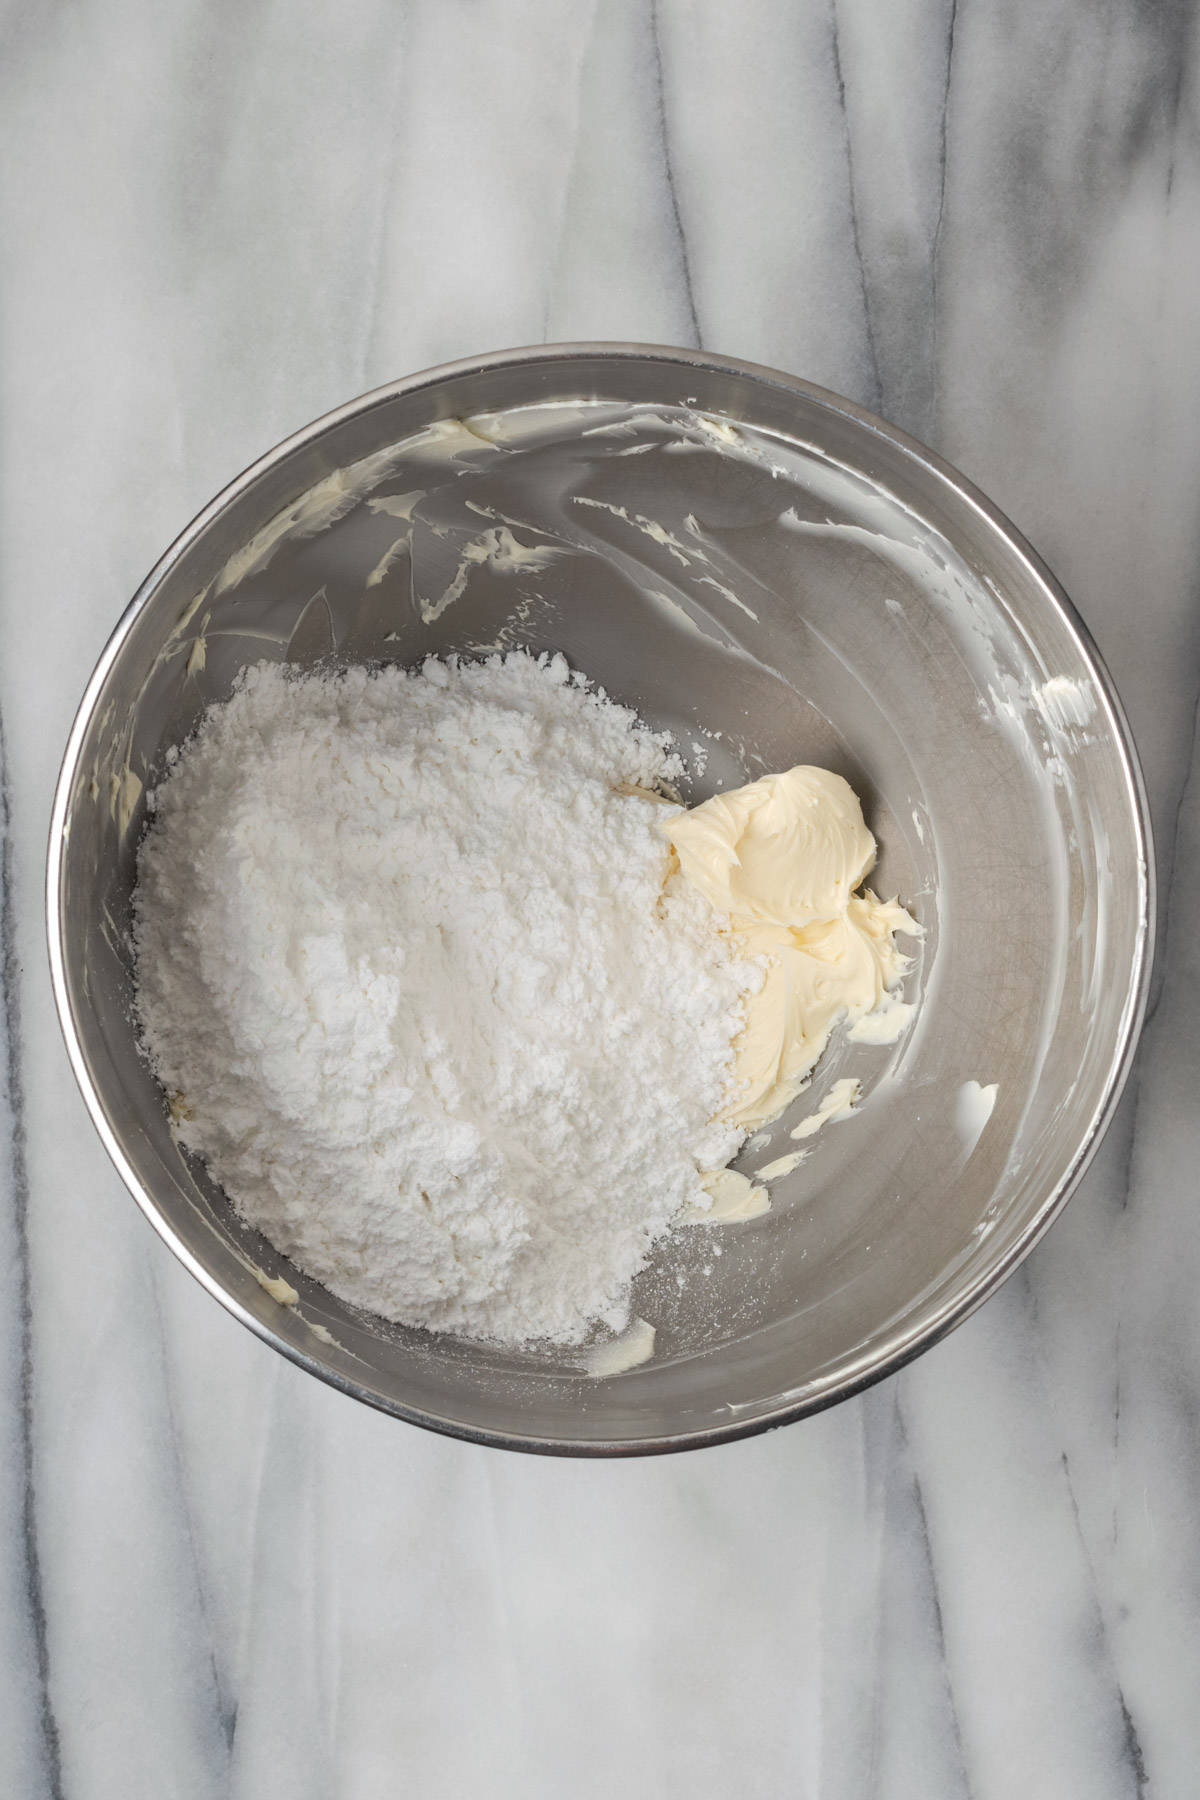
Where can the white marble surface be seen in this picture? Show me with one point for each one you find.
(218, 1577)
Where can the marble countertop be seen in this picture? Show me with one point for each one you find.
(218, 1577)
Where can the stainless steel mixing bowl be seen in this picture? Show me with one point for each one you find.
(742, 555)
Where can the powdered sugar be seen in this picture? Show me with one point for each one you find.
(409, 971)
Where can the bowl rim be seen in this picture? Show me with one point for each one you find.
(900, 1346)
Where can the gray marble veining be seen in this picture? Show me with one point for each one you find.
(983, 1578)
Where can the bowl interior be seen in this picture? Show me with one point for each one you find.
(746, 561)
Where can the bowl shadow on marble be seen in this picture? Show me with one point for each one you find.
(778, 578)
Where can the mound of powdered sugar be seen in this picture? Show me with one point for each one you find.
(409, 973)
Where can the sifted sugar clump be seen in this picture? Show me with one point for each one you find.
(425, 995)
